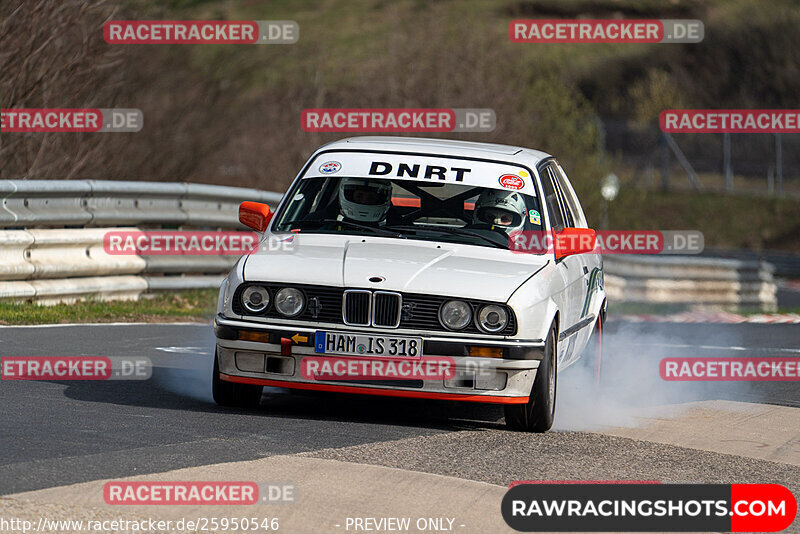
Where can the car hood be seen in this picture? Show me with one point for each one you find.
(409, 266)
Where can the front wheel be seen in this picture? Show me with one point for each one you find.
(537, 415)
(233, 394)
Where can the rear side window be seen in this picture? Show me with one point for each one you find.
(558, 219)
(568, 198)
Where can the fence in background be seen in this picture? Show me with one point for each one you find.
(51, 248)
(745, 163)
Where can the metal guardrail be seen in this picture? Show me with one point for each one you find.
(787, 264)
(51, 247)
(698, 281)
(51, 242)
(79, 203)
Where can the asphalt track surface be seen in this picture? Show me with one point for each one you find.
(56, 433)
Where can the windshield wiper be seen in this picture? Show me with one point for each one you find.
(375, 229)
(452, 231)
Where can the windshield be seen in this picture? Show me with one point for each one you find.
(405, 209)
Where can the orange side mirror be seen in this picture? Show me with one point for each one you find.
(571, 241)
(254, 215)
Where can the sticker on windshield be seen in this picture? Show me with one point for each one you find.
(330, 167)
(509, 181)
(426, 169)
(534, 217)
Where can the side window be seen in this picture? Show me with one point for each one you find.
(569, 200)
(569, 220)
(554, 208)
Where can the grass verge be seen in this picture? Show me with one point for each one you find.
(195, 305)
(727, 221)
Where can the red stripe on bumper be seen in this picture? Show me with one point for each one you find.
(363, 390)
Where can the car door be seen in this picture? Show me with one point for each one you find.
(590, 263)
(569, 269)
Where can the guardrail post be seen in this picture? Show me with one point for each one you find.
(664, 162)
(779, 161)
(726, 161)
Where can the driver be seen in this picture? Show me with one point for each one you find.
(364, 200)
(504, 210)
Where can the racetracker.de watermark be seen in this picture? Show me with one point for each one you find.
(170, 493)
(730, 369)
(398, 120)
(62, 120)
(201, 32)
(606, 31)
(75, 368)
(730, 121)
(609, 242)
(358, 368)
(190, 243)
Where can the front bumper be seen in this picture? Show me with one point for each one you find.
(275, 359)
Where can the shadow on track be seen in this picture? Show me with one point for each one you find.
(189, 390)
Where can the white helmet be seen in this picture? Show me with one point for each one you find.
(364, 200)
(505, 209)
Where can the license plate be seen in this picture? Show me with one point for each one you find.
(348, 344)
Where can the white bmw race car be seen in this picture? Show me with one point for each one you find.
(417, 268)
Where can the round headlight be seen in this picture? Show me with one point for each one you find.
(289, 301)
(492, 318)
(255, 299)
(455, 314)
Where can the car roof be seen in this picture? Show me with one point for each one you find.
(440, 147)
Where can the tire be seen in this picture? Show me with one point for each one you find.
(233, 394)
(537, 415)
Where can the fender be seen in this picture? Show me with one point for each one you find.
(229, 284)
(533, 320)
